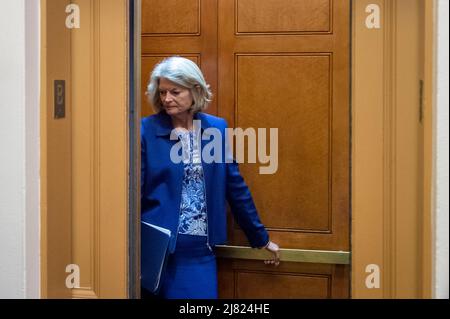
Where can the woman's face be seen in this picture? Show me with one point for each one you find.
(175, 99)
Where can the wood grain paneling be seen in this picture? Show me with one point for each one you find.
(281, 285)
(285, 65)
(179, 27)
(300, 85)
(283, 17)
(170, 17)
(295, 90)
(254, 279)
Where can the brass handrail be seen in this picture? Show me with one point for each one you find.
(288, 255)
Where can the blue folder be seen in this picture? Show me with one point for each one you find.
(154, 253)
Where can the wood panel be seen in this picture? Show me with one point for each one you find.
(248, 279)
(279, 65)
(300, 85)
(179, 27)
(283, 17)
(299, 95)
(282, 285)
(170, 17)
(291, 74)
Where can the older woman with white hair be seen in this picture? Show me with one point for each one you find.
(189, 197)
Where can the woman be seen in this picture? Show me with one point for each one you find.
(189, 196)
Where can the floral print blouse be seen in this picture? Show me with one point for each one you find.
(193, 218)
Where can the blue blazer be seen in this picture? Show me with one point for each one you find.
(161, 183)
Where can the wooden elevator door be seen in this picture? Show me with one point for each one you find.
(285, 65)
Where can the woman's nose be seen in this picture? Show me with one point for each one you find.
(168, 97)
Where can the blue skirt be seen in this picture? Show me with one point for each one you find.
(191, 271)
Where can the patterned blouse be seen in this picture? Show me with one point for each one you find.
(193, 218)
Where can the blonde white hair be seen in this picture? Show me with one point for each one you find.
(183, 72)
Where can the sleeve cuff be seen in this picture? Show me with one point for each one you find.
(265, 246)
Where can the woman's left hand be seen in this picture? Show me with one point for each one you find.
(275, 251)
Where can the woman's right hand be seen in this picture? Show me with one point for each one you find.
(275, 251)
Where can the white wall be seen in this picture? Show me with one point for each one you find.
(32, 148)
(442, 177)
(19, 134)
